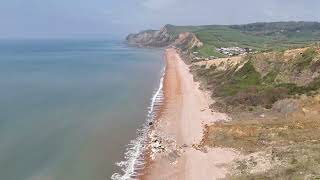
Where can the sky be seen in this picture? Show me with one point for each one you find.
(116, 18)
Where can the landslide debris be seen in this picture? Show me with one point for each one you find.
(273, 99)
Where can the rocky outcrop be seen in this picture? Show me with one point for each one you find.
(150, 38)
(187, 41)
(163, 38)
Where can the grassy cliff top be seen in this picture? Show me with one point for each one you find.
(259, 36)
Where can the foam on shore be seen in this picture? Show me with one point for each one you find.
(134, 160)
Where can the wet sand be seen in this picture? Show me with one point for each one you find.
(180, 124)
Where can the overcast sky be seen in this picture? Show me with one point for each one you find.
(115, 18)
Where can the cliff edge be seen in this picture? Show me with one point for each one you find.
(164, 38)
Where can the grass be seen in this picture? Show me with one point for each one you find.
(288, 143)
(241, 80)
(247, 75)
(259, 36)
(247, 87)
(293, 89)
(270, 77)
(305, 59)
(226, 37)
(242, 87)
(207, 51)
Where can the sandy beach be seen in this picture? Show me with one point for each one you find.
(179, 128)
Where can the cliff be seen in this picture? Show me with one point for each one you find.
(257, 36)
(186, 41)
(273, 99)
(163, 38)
(260, 79)
(150, 38)
(272, 95)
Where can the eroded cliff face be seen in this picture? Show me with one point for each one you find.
(187, 41)
(259, 80)
(150, 38)
(163, 38)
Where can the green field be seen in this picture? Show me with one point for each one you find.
(208, 50)
(258, 36)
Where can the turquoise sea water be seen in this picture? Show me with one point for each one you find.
(69, 107)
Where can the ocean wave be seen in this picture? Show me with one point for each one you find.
(134, 153)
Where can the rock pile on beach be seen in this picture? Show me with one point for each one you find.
(157, 146)
(164, 146)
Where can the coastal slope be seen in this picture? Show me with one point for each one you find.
(267, 81)
(263, 36)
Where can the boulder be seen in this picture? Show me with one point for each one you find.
(286, 106)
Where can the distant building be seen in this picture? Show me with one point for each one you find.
(233, 51)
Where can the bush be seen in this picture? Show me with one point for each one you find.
(304, 60)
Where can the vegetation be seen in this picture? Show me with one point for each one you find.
(277, 126)
(259, 36)
(207, 51)
(293, 89)
(241, 80)
(270, 77)
(305, 58)
(291, 147)
(272, 97)
(244, 85)
(274, 147)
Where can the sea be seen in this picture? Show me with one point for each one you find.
(75, 109)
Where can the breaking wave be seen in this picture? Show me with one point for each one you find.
(134, 160)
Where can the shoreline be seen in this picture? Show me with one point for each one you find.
(137, 150)
(178, 129)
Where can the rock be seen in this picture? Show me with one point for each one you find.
(150, 123)
(286, 106)
(304, 97)
(187, 40)
(305, 111)
(317, 98)
(156, 144)
(150, 38)
(162, 38)
(184, 145)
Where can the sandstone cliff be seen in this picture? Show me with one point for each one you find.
(187, 41)
(163, 38)
(150, 38)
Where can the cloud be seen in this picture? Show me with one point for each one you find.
(158, 4)
(66, 18)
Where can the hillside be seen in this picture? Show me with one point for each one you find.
(273, 99)
(260, 79)
(258, 36)
(255, 35)
(271, 91)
